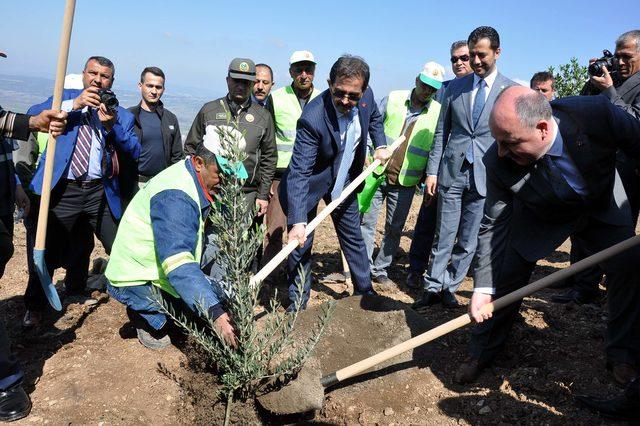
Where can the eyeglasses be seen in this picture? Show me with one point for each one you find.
(463, 58)
(340, 94)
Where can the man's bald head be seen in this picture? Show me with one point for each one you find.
(521, 123)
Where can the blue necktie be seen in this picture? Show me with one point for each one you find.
(478, 104)
(347, 156)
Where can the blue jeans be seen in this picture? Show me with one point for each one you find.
(398, 204)
(140, 298)
(460, 210)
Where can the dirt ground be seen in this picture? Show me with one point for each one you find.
(85, 366)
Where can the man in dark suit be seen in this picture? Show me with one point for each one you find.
(329, 152)
(84, 186)
(552, 174)
(623, 91)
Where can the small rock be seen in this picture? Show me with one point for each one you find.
(485, 410)
(52, 402)
(388, 411)
(480, 403)
(169, 398)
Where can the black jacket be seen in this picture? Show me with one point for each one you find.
(256, 124)
(170, 132)
(172, 147)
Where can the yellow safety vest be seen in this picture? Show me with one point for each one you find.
(133, 258)
(287, 111)
(419, 145)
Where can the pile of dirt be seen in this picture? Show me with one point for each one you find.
(360, 327)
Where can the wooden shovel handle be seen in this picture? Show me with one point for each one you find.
(465, 319)
(311, 226)
(61, 70)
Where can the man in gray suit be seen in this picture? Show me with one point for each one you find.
(552, 174)
(455, 167)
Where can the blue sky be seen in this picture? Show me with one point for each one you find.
(193, 41)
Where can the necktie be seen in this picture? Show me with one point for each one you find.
(347, 156)
(478, 102)
(80, 158)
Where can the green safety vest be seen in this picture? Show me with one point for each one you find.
(287, 111)
(133, 258)
(417, 154)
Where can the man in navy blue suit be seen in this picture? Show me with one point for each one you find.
(329, 152)
(84, 185)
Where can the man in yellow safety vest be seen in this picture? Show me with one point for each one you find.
(288, 103)
(413, 113)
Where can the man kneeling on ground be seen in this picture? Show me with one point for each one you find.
(159, 244)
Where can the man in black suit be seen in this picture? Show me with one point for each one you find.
(624, 92)
(552, 174)
(329, 153)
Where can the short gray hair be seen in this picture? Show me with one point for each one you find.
(630, 35)
(531, 108)
(457, 45)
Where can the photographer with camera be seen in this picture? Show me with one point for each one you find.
(617, 77)
(85, 186)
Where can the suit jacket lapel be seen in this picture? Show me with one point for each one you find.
(466, 99)
(628, 85)
(498, 84)
(332, 121)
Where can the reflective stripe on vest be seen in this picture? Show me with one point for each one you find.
(133, 258)
(287, 111)
(419, 145)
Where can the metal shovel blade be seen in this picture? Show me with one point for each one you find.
(45, 279)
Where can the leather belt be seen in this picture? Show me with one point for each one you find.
(84, 184)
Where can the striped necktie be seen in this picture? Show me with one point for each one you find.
(80, 159)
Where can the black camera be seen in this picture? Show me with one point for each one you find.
(607, 60)
(108, 98)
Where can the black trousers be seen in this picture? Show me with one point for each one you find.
(73, 207)
(587, 281)
(10, 371)
(74, 256)
(622, 341)
(6, 241)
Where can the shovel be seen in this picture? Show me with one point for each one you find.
(43, 216)
(315, 389)
(291, 245)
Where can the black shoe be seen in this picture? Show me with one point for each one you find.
(383, 280)
(449, 300)
(429, 298)
(575, 296)
(415, 281)
(468, 371)
(618, 408)
(371, 292)
(384, 283)
(14, 404)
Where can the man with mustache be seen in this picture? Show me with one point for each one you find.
(288, 104)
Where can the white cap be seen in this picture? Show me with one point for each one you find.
(432, 74)
(301, 56)
(73, 81)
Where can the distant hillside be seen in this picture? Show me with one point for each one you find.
(18, 93)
